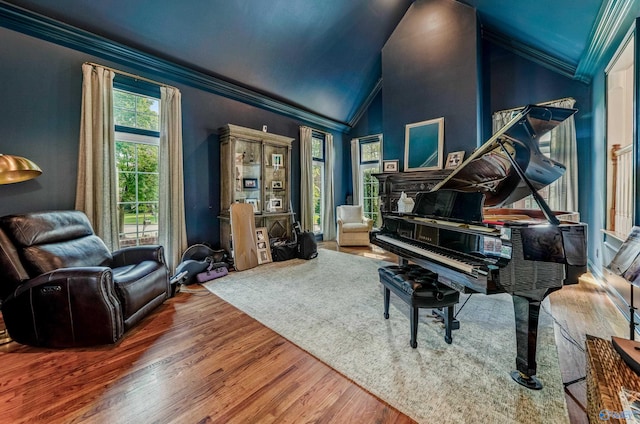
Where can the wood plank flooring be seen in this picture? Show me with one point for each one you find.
(197, 359)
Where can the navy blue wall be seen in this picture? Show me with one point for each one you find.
(41, 86)
(430, 69)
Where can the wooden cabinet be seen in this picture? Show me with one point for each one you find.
(255, 168)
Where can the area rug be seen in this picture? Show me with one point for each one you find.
(332, 307)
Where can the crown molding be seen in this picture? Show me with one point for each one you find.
(608, 23)
(365, 104)
(538, 56)
(45, 28)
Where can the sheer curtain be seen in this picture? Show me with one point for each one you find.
(97, 183)
(355, 170)
(172, 232)
(563, 149)
(306, 179)
(329, 220)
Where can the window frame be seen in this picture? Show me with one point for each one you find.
(137, 136)
(319, 162)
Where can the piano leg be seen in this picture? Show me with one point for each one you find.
(387, 296)
(527, 311)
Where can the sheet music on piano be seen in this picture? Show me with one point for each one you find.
(458, 230)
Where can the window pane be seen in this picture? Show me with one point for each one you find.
(147, 158)
(370, 152)
(136, 111)
(317, 148)
(318, 187)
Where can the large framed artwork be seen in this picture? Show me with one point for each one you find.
(423, 145)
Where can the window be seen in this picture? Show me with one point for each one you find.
(620, 140)
(317, 153)
(136, 118)
(370, 157)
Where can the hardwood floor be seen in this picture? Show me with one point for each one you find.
(197, 359)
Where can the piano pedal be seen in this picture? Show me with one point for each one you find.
(438, 315)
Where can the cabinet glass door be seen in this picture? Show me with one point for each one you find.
(276, 170)
(248, 177)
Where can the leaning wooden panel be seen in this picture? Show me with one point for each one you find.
(243, 235)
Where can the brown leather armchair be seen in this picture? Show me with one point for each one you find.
(61, 287)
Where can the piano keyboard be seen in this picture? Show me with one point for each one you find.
(472, 269)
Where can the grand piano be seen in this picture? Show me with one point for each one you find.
(458, 229)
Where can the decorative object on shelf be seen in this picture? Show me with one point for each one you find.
(454, 159)
(423, 145)
(15, 169)
(390, 165)
(277, 185)
(255, 203)
(276, 160)
(250, 183)
(275, 204)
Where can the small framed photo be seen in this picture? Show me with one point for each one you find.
(390, 165)
(250, 183)
(255, 203)
(263, 249)
(277, 160)
(275, 204)
(277, 185)
(454, 159)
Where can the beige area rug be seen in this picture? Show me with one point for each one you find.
(332, 307)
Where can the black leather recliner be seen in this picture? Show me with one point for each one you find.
(61, 287)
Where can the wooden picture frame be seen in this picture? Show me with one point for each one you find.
(263, 249)
(277, 185)
(454, 159)
(390, 165)
(423, 145)
(275, 203)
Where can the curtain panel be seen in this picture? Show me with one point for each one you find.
(97, 185)
(329, 207)
(172, 232)
(306, 180)
(355, 170)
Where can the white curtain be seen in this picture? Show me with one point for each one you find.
(306, 180)
(97, 181)
(355, 170)
(328, 219)
(172, 231)
(563, 148)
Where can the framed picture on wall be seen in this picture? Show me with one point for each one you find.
(423, 145)
(390, 165)
(454, 159)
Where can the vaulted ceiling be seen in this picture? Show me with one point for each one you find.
(319, 56)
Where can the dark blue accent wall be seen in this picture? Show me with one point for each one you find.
(431, 69)
(41, 86)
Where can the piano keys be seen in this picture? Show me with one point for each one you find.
(458, 231)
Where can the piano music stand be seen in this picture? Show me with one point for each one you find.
(626, 264)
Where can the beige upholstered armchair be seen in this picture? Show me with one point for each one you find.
(353, 226)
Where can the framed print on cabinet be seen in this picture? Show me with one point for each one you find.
(423, 145)
(250, 183)
(454, 159)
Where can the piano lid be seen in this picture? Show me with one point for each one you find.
(489, 170)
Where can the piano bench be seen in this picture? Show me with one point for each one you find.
(418, 288)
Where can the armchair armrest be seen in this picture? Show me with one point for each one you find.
(339, 222)
(66, 307)
(137, 254)
(368, 221)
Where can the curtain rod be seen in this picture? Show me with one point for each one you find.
(550, 102)
(138, 77)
